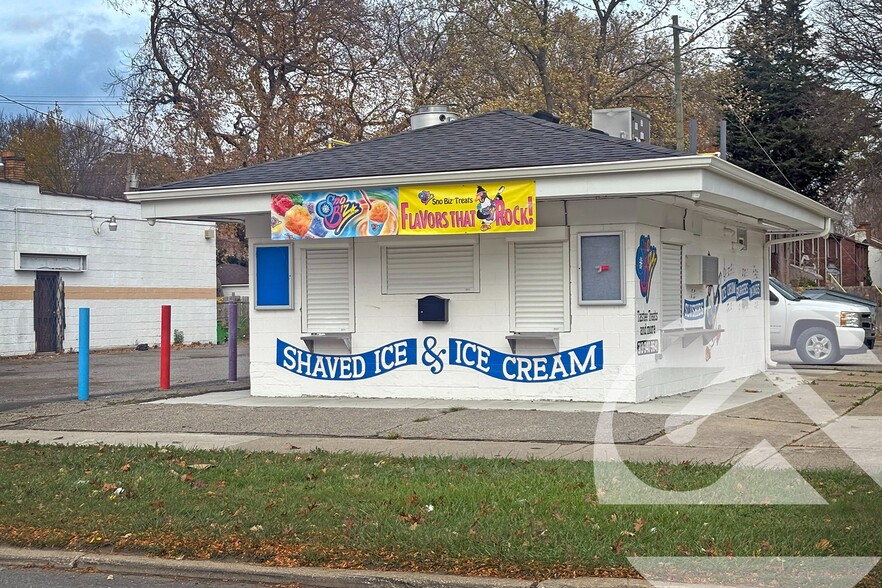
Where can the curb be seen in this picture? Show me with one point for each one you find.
(302, 577)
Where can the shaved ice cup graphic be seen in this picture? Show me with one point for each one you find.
(378, 215)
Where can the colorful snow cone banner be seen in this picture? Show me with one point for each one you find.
(467, 208)
(340, 213)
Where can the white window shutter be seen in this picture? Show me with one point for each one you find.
(540, 288)
(672, 284)
(439, 269)
(328, 291)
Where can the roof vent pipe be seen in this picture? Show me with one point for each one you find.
(545, 115)
(431, 115)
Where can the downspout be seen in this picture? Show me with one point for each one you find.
(767, 262)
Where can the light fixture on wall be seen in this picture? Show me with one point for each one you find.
(111, 223)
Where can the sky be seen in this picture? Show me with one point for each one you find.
(62, 50)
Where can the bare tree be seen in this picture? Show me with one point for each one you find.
(853, 34)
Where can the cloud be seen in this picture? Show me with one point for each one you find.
(66, 51)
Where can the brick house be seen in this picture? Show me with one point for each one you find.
(818, 261)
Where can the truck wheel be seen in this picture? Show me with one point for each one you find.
(816, 345)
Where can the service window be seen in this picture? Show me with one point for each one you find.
(672, 284)
(539, 288)
(435, 269)
(601, 268)
(273, 277)
(328, 290)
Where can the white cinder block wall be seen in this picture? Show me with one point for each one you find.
(130, 273)
(483, 317)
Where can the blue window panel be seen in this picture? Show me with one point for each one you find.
(272, 276)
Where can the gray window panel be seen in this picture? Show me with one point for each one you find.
(601, 263)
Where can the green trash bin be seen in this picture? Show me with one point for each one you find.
(222, 333)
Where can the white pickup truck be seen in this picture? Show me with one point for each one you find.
(821, 331)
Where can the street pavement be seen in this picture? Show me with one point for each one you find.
(808, 418)
(38, 379)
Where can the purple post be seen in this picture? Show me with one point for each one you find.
(233, 341)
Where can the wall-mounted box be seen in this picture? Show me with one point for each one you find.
(702, 269)
(432, 309)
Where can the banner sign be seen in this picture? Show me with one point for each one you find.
(467, 208)
(502, 366)
(342, 213)
(346, 367)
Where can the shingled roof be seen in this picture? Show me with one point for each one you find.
(496, 140)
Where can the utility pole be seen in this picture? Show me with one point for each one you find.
(678, 74)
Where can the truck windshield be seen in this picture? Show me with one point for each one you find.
(785, 291)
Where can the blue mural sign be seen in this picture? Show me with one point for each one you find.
(346, 367)
(527, 368)
(554, 367)
(729, 290)
(742, 290)
(693, 310)
(756, 290)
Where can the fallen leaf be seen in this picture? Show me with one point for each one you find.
(201, 466)
(822, 544)
(126, 467)
(638, 524)
(617, 546)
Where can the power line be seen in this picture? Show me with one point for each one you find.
(760, 145)
(70, 124)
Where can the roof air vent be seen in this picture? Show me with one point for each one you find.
(429, 116)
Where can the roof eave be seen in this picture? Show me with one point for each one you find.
(703, 164)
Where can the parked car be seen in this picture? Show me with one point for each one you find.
(821, 330)
(836, 296)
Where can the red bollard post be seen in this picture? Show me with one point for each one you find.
(165, 349)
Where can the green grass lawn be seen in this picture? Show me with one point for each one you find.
(531, 519)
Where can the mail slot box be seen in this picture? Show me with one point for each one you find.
(432, 309)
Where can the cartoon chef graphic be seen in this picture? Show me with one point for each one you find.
(487, 206)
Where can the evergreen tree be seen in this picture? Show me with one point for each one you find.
(780, 96)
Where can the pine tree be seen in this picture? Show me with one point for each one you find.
(779, 97)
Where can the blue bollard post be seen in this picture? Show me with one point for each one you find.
(84, 355)
(232, 363)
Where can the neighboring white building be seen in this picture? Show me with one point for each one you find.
(59, 253)
(576, 266)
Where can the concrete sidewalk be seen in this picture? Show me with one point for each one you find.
(716, 425)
